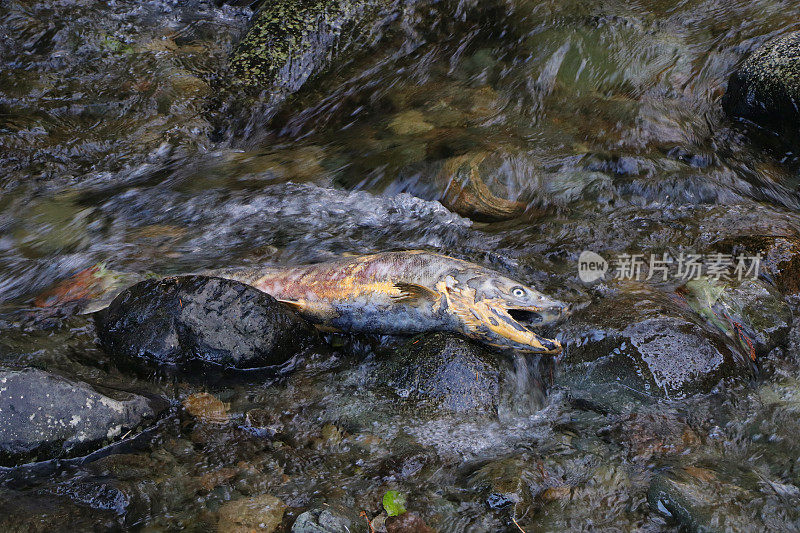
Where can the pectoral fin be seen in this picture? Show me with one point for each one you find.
(300, 307)
(412, 292)
(314, 312)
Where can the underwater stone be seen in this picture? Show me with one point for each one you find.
(467, 194)
(180, 321)
(780, 258)
(259, 513)
(648, 342)
(698, 498)
(446, 371)
(321, 521)
(44, 416)
(749, 311)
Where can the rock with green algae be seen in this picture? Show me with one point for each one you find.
(291, 40)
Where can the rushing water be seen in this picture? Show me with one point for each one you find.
(602, 117)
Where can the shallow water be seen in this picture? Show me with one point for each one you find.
(603, 118)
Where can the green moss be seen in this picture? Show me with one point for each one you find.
(776, 66)
(394, 502)
(289, 40)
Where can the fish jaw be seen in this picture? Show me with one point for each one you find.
(488, 320)
(511, 333)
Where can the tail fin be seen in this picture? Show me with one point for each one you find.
(89, 290)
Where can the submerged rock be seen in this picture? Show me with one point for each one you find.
(748, 311)
(259, 513)
(649, 343)
(780, 258)
(766, 88)
(467, 194)
(696, 498)
(45, 416)
(322, 521)
(446, 371)
(407, 523)
(181, 321)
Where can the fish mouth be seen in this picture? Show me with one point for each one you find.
(512, 325)
(526, 316)
(536, 316)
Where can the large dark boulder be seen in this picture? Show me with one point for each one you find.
(442, 371)
(186, 320)
(766, 88)
(649, 342)
(44, 416)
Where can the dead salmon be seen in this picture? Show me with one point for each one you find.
(411, 292)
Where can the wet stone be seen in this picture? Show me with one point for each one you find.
(445, 371)
(321, 521)
(259, 513)
(649, 343)
(45, 416)
(766, 88)
(749, 311)
(780, 258)
(183, 321)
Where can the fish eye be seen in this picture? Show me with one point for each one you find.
(519, 292)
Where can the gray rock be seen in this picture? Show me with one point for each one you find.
(321, 521)
(45, 416)
(650, 343)
(180, 321)
(446, 371)
(766, 88)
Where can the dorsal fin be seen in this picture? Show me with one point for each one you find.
(412, 291)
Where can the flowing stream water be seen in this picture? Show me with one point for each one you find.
(602, 118)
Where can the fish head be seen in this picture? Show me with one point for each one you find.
(498, 311)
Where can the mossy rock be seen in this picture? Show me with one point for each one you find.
(289, 41)
(766, 88)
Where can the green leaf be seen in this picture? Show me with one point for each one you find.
(394, 502)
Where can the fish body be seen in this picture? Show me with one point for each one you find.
(410, 292)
